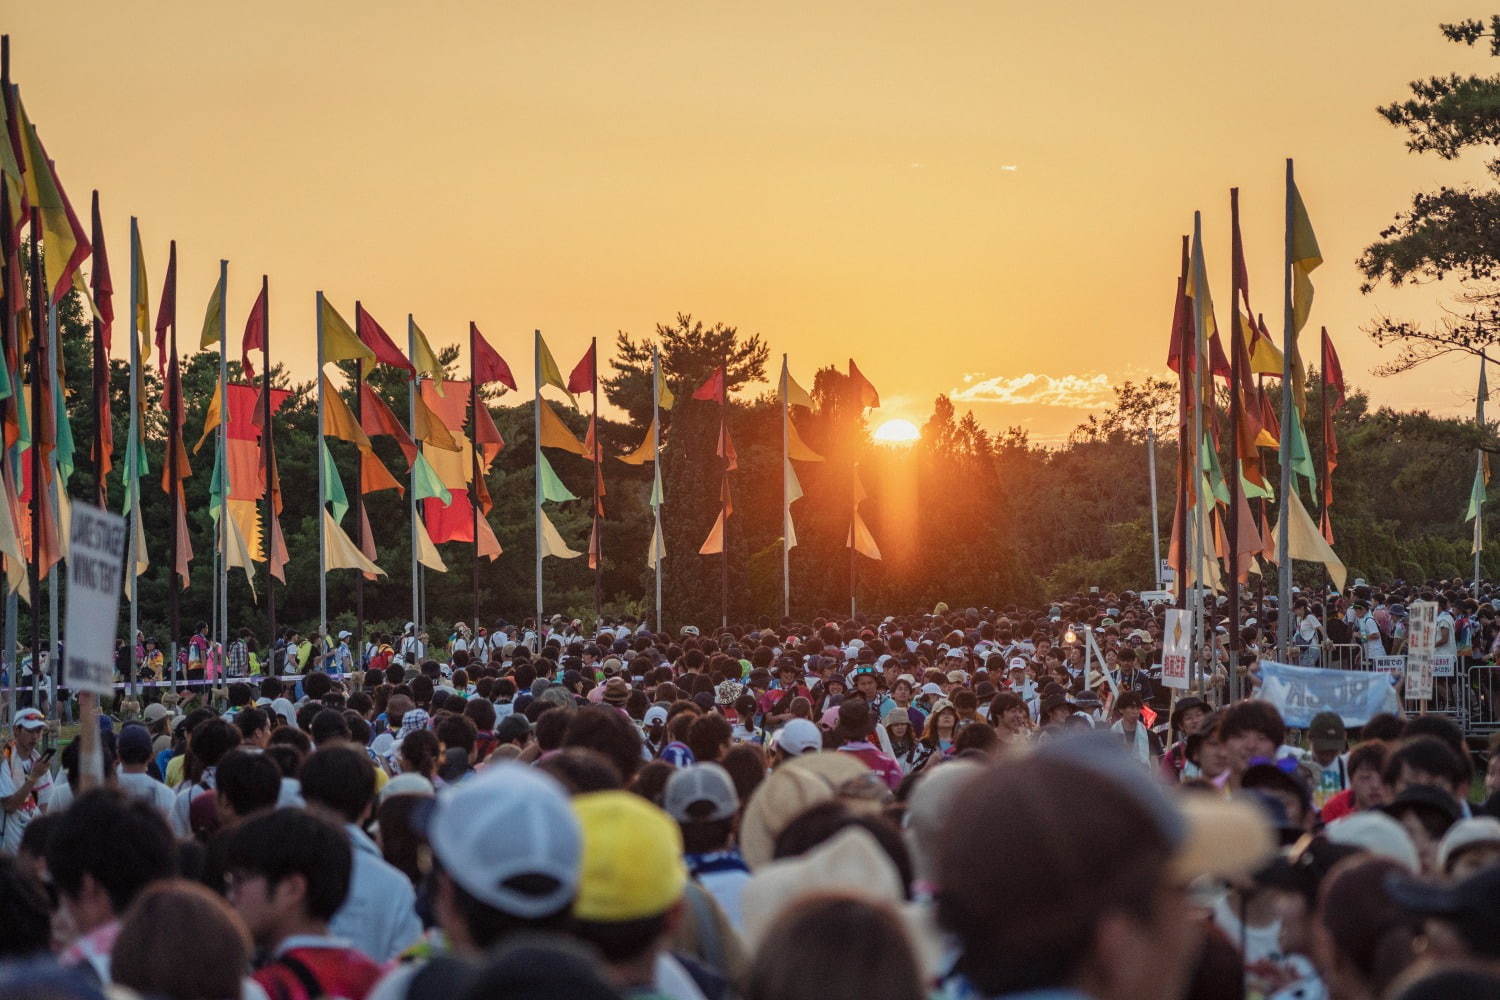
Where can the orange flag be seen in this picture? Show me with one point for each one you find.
(428, 429)
(376, 418)
(714, 543)
(338, 419)
(867, 396)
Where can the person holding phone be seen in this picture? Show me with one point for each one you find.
(25, 778)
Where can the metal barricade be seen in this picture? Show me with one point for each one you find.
(1447, 698)
(1343, 656)
(1482, 688)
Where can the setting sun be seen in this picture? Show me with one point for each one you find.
(897, 432)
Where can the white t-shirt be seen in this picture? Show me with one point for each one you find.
(1445, 621)
(147, 789)
(1368, 627)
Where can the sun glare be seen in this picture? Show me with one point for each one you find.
(897, 432)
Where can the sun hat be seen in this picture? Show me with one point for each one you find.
(616, 691)
(791, 790)
(632, 858)
(698, 784)
(1466, 833)
(851, 861)
(1377, 833)
(502, 828)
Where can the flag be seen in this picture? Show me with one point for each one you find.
(664, 398)
(552, 542)
(1307, 544)
(582, 377)
(794, 394)
(1306, 258)
(339, 342)
(427, 553)
(861, 540)
(374, 476)
(712, 390)
(255, 333)
(333, 489)
(487, 435)
(104, 288)
(142, 300)
(551, 375)
(487, 546)
(489, 366)
(425, 359)
(428, 428)
(104, 304)
(865, 392)
(726, 450)
(555, 433)
(1333, 381)
(67, 245)
(166, 310)
(341, 553)
(375, 418)
(213, 316)
(796, 448)
(338, 419)
(212, 417)
(1333, 372)
(237, 554)
(184, 542)
(1477, 494)
(552, 487)
(367, 539)
(714, 543)
(279, 555)
(793, 494)
(426, 484)
(658, 549)
(646, 452)
(373, 336)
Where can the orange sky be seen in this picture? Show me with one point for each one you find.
(952, 192)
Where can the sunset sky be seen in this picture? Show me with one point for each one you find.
(979, 198)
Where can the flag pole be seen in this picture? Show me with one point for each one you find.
(474, 463)
(596, 540)
(413, 386)
(1283, 528)
(1184, 444)
(536, 411)
(359, 503)
(724, 499)
(174, 441)
(786, 506)
(322, 493)
(133, 461)
(12, 455)
(223, 462)
(656, 470)
(101, 372)
(1155, 517)
(37, 296)
(1236, 373)
(1200, 507)
(55, 574)
(269, 539)
(1479, 475)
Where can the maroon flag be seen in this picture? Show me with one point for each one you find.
(373, 336)
(255, 333)
(489, 366)
(167, 309)
(582, 378)
(713, 389)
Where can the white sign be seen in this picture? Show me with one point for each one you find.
(1393, 665)
(1443, 664)
(1421, 641)
(96, 560)
(1177, 646)
(1157, 596)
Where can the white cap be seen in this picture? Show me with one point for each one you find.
(507, 821)
(30, 718)
(1379, 834)
(405, 784)
(698, 783)
(1464, 834)
(799, 736)
(655, 714)
(931, 688)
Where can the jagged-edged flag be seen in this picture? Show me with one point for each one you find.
(339, 552)
(712, 389)
(581, 379)
(552, 542)
(864, 390)
(373, 336)
(489, 366)
(254, 338)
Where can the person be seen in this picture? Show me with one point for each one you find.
(1254, 733)
(1328, 739)
(378, 914)
(1469, 845)
(237, 656)
(1461, 920)
(103, 850)
(176, 910)
(25, 781)
(853, 732)
(289, 874)
(1425, 812)
(1099, 908)
(901, 738)
(134, 750)
(1186, 720)
(832, 946)
(1366, 783)
(209, 741)
(797, 737)
(506, 851)
(1367, 632)
(25, 913)
(703, 801)
(1140, 742)
(1362, 938)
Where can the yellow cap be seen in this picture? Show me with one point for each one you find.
(632, 858)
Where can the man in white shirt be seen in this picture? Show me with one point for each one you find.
(134, 749)
(1367, 631)
(24, 779)
(1447, 638)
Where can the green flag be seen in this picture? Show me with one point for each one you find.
(64, 452)
(425, 483)
(216, 485)
(213, 319)
(334, 494)
(552, 487)
(1302, 463)
(1476, 494)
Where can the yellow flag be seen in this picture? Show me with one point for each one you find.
(142, 300)
(665, 399)
(714, 543)
(66, 244)
(795, 447)
(213, 317)
(1306, 542)
(860, 538)
(338, 419)
(646, 452)
(427, 553)
(237, 553)
(424, 359)
(1306, 257)
(1265, 359)
(212, 418)
(16, 578)
(552, 542)
(339, 341)
(429, 428)
(555, 433)
(551, 374)
(341, 553)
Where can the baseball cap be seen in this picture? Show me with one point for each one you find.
(632, 858)
(1472, 906)
(1018, 663)
(406, 784)
(696, 784)
(799, 736)
(1327, 732)
(1377, 833)
(29, 718)
(133, 737)
(1464, 834)
(508, 827)
(655, 715)
(155, 712)
(931, 688)
(345, 634)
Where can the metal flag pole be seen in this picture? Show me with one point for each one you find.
(35, 456)
(413, 387)
(596, 540)
(474, 463)
(724, 500)
(1283, 528)
(267, 446)
(786, 505)
(133, 461)
(58, 571)
(536, 411)
(322, 493)
(1478, 472)
(359, 503)
(1155, 517)
(656, 470)
(1236, 374)
(1200, 508)
(223, 461)
(174, 444)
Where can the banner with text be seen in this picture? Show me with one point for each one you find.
(1176, 647)
(1421, 641)
(1299, 693)
(96, 563)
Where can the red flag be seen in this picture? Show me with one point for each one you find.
(713, 389)
(582, 379)
(1333, 379)
(376, 418)
(376, 339)
(103, 301)
(255, 332)
(868, 397)
(489, 366)
(1333, 372)
(104, 290)
(166, 311)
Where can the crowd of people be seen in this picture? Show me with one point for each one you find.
(971, 803)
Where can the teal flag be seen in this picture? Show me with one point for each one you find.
(335, 497)
(552, 487)
(425, 482)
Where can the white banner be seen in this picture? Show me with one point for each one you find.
(1395, 666)
(1443, 664)
(1177, 646)
(1421, 640)
(96, 561)
(1300, 693)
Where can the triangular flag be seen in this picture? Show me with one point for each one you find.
(714, 543)
(427, 484)
(374, 476)
(796, 448)
(487, 435)
(279, 555)
(333, 487)
(793, 486)
(594, 545)
(1306, 258)
(1305, 542)
(861, 539)
(142, 299)
(1477, 494)
(425, 359)
(865, 392)
(67, 244)
(375, 418)
(213, 318)
(367, 538)
(726, 450)
(340, 553)
(255, 333)
(338, 419)
(550, 373)
(582, 377)
(647, 450)
(489, 366)
(552, 542)
(184, 542)
(339, 341)
(665, 398)
(658, 549)
(795, 394)
(373, 336)
(427, 553)
(429, 428)
(488, 546)
(555, 433)
(658, 495)
(552, 487)
(211, 418)
(712, 390)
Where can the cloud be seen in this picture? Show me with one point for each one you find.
(1083, 392)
